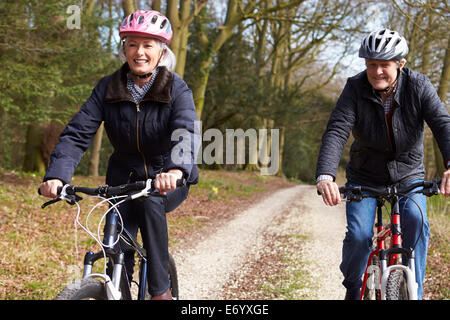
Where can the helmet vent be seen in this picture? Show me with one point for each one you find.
(154, 18)
(163, 24)
(131, 18)
(140, 20)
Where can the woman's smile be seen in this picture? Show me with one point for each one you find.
(140, 61)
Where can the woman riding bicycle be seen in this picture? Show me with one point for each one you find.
(141, 105)
(385, 107)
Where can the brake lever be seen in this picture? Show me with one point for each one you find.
(69, 198)
(144, 192)
(50, 202)
(150, 190)
(72, 199)
(431, 191)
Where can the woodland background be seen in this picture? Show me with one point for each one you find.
(250, 64)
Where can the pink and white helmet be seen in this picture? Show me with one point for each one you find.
(147, 23)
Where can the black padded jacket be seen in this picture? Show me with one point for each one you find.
(373, 159)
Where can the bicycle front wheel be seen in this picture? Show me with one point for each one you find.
(396, 286)
(84, 289)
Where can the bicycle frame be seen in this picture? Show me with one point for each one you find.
(115, 255)
(117, 286)
(393, 230)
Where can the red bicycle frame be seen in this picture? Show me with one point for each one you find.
(391, 231)
(389, 258)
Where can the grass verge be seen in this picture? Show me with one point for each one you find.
(38, 255)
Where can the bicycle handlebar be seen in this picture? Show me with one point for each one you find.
(69, 192)
(355, 193)
(106, 191)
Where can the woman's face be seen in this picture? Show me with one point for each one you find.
(382, 73)
(142, 54)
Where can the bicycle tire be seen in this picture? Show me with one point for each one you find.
(372, 290)
(396, 286)
(173, 277)
(94, 289)
(84, 289)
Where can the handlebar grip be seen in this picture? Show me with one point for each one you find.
(58, 191)
(341, 190)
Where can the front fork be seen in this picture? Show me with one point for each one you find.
(394, 253)
(117, 258)
(410, 271)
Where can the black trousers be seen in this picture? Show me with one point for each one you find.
(149, 216)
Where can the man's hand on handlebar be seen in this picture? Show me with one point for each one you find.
(329, 191)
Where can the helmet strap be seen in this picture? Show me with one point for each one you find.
(142, 76)
(389, 88)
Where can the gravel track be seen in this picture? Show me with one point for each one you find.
(206, 267)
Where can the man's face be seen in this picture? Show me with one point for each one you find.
(382, 73)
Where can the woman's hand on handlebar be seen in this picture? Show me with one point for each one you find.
(329, 191)
(167, 181)
(445, 183)
(49, 188)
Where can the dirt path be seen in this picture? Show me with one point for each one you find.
(206, 267)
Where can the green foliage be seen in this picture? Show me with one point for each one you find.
(48, 69)
(238, 98)
(305, 120)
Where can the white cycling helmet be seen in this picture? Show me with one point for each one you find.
(384, 45)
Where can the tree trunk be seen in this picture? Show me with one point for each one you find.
(156, 5)
(33, 160)
(209, 51)
(128, 7)
(95, 152)
(180, 16)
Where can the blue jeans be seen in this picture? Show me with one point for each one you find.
(357, 243)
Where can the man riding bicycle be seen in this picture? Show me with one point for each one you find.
(385, 107)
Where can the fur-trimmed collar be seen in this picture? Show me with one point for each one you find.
(160, 90)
